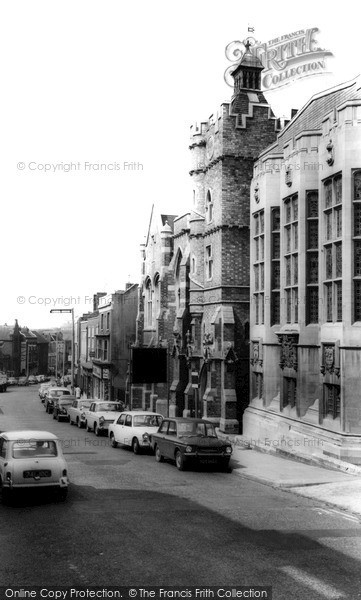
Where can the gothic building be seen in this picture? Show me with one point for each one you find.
(210, 264)
(306, 282)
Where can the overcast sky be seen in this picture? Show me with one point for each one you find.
(87, 81)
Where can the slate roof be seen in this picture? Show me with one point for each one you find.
(309, 118)
(6, 332)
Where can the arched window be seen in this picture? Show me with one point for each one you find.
(209, 207)
(148, 308)
(157, 295)
(178, 280)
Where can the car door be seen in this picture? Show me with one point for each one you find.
(161, 436)
(118, 429)
(169, 439)
(127, 430)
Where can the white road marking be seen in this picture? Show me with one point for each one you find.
(310, 581)
(339, 513)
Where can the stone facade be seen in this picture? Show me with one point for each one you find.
(306, 282)
(156, 305)
(211, 257)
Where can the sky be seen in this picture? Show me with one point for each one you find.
(85, 83)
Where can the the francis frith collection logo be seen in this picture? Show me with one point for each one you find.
(285, 59)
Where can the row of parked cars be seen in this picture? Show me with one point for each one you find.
(35, 460)
(183, 440)
(30, 380)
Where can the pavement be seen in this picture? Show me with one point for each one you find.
(334, 486)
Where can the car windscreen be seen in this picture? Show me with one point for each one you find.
(201, 429)
(147, 420)
(57, 393)
(108, 407)
(34, 448)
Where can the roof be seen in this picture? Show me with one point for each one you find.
(41, 338)
(169, 219)
(142, 412)
(310, 117)
(28, 434)
(6, 332)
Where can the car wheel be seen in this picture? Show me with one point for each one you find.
(158, 455)
(136, 446)
(5, 494)
(63, 492)
(113, 443)
(87, 426)
(179, 461)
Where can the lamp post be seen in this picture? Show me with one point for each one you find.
(69, 310)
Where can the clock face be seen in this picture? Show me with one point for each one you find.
(210, 147)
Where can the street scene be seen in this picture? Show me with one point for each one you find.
(180, 310)
(129, 520)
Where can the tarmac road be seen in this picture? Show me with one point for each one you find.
(131, 521)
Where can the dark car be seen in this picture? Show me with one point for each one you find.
(53, 393)
(61, 407)
(190, 440)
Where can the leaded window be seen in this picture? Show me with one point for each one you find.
(357, 257)
(333, 247)
(313, 234)
(328, 258)
(258, 265)
(312, 268)
(338, 189)
(328, 193)
(276, 276)
(357, 299)
(338, 287)
(357, 218)
(275, 308)
(312, 253)
(338, 261)
(275, 265)
(329, 315)
(312, 305)
(357, 186)
(290, 206)
(312, 204)
(338, 219)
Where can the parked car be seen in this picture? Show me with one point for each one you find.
(23, 381)
(186, 440)
(54, 392)
(77, 411)
(61, 406)
(43, 389)
(12, 381)
(31, 460)
(133, 429)
(32, 380)
(100, 414)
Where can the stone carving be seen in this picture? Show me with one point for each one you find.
(288, 176)
(256, 193)
(331, 158)
(288, 343)
(256, 360)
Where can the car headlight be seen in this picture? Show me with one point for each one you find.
(189, 449)
(82, 416)
(101, 420)
(228, 449)
(145, 437)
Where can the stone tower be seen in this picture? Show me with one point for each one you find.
(223, 153)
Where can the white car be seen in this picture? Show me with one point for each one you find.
(31, 460)
(133, 428)
(77, 410)
(100, 415)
